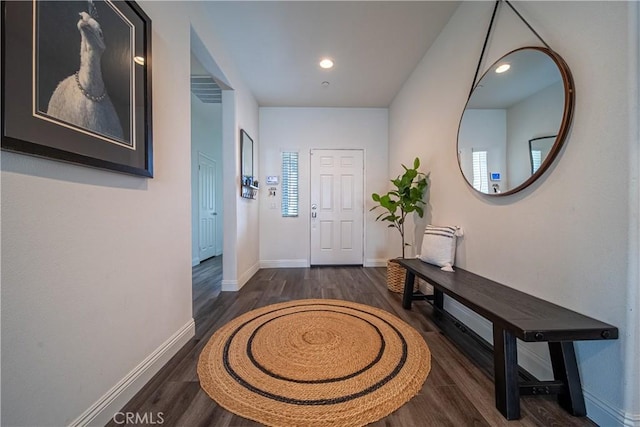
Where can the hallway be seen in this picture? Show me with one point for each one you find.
(456, 393)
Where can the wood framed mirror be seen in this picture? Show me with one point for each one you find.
(246, 145)
(249, 185)
(527, 95)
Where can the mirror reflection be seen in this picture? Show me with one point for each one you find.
(247, 155)
(539, 149)
(515, 121)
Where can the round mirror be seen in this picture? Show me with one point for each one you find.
(515, 121)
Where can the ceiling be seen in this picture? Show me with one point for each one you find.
(206, 89)
(277, 45)
(531, 71)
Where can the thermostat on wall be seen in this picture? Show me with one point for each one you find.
(495, 176)
(272, 180)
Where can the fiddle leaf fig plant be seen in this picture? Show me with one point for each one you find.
(405, 198)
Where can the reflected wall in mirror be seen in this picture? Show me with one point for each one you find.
(511, 114)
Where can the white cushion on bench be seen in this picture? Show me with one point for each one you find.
(439, 246)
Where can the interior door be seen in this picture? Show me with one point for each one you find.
(337, 207)
(207, 203)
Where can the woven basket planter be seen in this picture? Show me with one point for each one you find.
(395, 279)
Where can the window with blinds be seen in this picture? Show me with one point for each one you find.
(536, 160)
(480, 172)
(289, 184)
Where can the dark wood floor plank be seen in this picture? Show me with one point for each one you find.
(474, 384)
(446, 407)
(206, 284)
(456, 392)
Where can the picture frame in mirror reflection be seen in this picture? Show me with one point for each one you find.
(539, 149)
(76, 83)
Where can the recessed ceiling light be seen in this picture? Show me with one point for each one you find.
(325, 84)
(502, 68)
(326, 63)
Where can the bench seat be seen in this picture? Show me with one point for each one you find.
(515, 314)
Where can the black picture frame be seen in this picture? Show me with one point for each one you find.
(60, 102)
(248, 185)
(246, 145)
(545, 145)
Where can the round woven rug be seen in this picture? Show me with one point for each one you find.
(314, 363)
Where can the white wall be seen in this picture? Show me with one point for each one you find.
(206, 138)
(565, 238)
(247, 210)
(484, 129)
(96, 266)
(302, 129)
(632, 337)
(538, 115)
(239, 111)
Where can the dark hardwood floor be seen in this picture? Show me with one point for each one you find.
(456, 392)
(206, 284)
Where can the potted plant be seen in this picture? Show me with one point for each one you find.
(405, 198)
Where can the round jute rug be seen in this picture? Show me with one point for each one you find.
(314, 363)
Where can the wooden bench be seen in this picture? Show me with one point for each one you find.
(515, 314)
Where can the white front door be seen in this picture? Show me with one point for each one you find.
(207, 203)
(337, 207)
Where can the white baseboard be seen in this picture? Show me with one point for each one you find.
(631, 420)
(604, 414)
(195, 261)
(230, 286)
(101, 412)
(372, 262)
(534, 362)
(236, 285)
(284, 263)
(247, 275)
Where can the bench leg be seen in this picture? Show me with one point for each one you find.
(407, 294)
(438, 303)
(565, 369)
(505, 364)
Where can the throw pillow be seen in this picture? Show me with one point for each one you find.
(439, 246)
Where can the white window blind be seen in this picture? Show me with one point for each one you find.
(289, 183)
(536, 160)
(480, 173)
